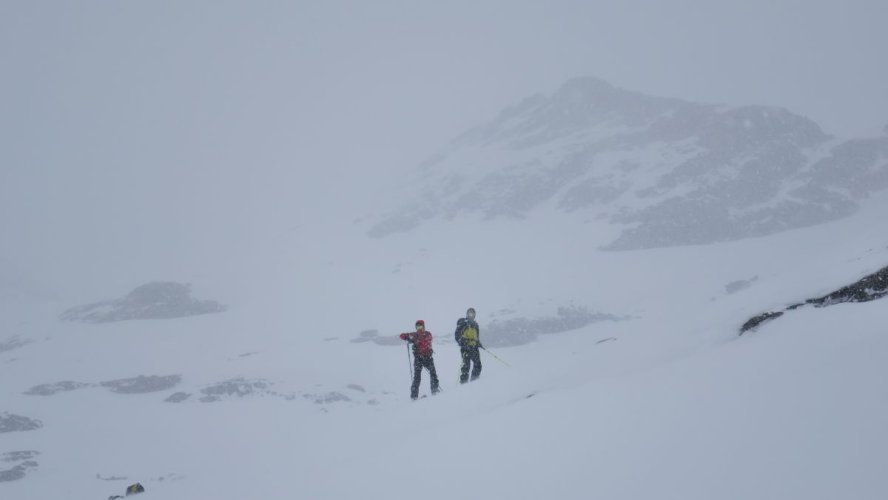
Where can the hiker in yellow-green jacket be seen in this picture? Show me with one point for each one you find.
(468, 336)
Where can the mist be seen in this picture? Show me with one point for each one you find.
(217, 217)
(143, 140)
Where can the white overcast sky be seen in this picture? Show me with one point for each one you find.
(127, 125)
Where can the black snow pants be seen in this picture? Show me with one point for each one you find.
(418, 364)
(470, 355)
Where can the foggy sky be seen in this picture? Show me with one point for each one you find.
(135, 133)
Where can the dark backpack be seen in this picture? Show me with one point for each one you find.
(467, 333)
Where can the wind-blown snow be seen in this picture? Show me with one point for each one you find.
(274, 400)
(161, 161)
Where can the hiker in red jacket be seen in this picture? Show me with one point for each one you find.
(422, 357)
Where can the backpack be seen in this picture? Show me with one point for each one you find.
(469, 335)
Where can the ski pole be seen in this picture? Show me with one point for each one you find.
(409, 361)
(496, 357)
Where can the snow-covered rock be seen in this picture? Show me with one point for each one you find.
(665, 172)
(158, 300)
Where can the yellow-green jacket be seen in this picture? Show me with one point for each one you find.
(467, 334)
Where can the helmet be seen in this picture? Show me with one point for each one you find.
(420, 322)
(470, 313)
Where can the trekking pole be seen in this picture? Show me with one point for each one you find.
(496, 357)
(409, 361)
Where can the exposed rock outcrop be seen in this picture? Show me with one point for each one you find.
(871, 287)
(142, 384)
(235, 388)
(13, 342)
(158, 300)
(24, 462)
(50, 389)
(10, 422)
(139, 384)
(518, 331)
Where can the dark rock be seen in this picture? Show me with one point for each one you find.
(736, 286)
(177, 397)
(520, 331)
(159, 300)
(366, 336)
(13, 342)
(21, 469)
(18, 456)
(50, 389)
(17, 472)
(330, 397)
(376, 338)
(111, 478)
(12, 423)
(753, 323)
(142, 384)
(388, 340)
(134, 489)
(870, 287)
(237, 387)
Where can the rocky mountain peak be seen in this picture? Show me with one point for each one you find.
(666, 171)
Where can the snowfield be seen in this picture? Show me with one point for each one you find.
(281, 400)
(216, 218)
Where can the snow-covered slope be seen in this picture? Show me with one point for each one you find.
(290, 394)
(623, 373)
(661, 172)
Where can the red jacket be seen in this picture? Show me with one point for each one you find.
(422, 342)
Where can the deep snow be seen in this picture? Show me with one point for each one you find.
(670, 404)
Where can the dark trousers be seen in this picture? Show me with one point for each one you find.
(418, 364)
(470, 355)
